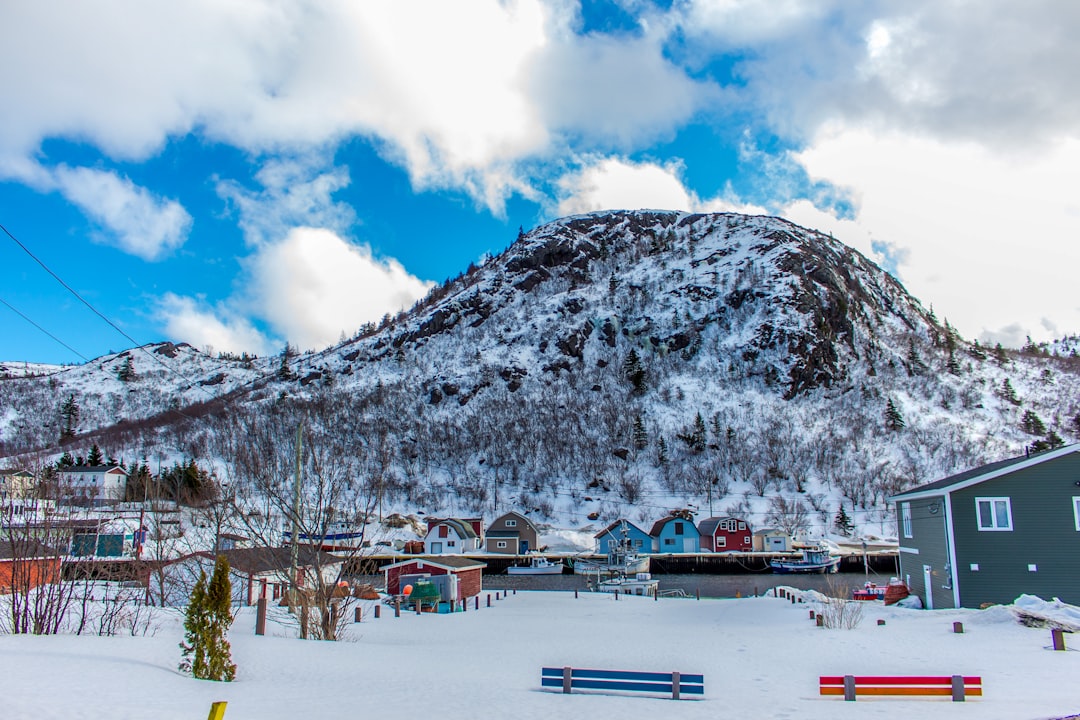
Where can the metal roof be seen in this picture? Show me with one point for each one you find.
(983, 473)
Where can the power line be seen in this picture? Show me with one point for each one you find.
(24, 317)
(134, 343)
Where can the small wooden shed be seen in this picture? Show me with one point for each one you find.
(468, 574)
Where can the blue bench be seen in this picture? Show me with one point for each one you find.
(674, 684)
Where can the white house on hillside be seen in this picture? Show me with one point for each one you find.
(96, 483)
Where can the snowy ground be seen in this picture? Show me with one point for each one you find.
(761, 658)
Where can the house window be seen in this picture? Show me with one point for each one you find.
(669, 541)
(721, 542)
(500, 544)
(994, 513)
(511, 523)
(444, 531)
(742, 526)
(905, 516)
(637, 543)
(1076, 512)
(450, 543)
(678, 528)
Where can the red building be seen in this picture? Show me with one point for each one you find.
(25, 564)
(468, 573)
(724, 534)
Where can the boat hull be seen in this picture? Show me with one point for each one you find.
(588, 567)
(784, 567)
(553, 569)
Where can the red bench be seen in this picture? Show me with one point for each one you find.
(958, 686)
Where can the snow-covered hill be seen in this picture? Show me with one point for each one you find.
(624, 363)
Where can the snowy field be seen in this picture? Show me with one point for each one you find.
(761, 658)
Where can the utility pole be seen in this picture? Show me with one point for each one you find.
(294, 547)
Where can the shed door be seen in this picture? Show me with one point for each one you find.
(523, 547)
(436, 548)
(688, 545)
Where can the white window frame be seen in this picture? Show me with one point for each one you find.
(511, 523)
(721, 541)
(993, 514)
(905, 519)
(1076, 512)
(500, 544)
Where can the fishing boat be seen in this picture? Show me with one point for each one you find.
(639, 584)
(538, 565)
(869, 591)
(621, 560)
(813, 560)
(339, 536)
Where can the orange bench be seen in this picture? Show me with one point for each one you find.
(958, 686)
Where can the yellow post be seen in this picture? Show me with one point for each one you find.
(217, 710)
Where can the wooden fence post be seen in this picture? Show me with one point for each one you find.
(566, 680)
(397, 607)
(675, 685)
(1057, 636)
(477, 605)
(489, 600)
(811, 614)
(958, 628)
(377, 609)
(217, 710)
(849, 687)
(260, 616)
(820, 620)
(358, 614)
(575, 593)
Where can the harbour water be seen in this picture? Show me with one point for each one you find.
(709, 586)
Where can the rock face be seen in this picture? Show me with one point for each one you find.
(791, 306)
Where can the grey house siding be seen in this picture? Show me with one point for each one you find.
(1044, 535)
(930, 539)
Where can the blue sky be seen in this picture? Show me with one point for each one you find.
(239, 175)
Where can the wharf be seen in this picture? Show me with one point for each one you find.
(731, 563)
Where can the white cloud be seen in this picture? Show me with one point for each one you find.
(313, 285)
(296, 192)
(984, 238)
(140, 223)
(308, 287)
(192, 321)
(459, 93)
(619, 184)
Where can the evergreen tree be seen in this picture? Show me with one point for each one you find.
(842, 522)
(284, 371)
(915, 364)
(69, 418)
(1054, 440)
(999, 354)
(661, 451)
(219, 612)
(633, 372)
(1032, 423)
(126, 373)
(952, 365)
(641, 437)
(95, 457)
(65, 460)
(977, 352)
(893, 419)
(1008, 392)
(193, 648)
(205, 652)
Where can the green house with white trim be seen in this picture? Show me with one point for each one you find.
(995, 532)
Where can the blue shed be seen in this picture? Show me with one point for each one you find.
(609, 538)
(675, 534)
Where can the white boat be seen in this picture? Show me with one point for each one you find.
(621, 560)
(640, 583)
(813, 560)
(538, 565)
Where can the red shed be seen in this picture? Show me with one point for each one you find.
(469, 573)
(26, 564)
(722, 534)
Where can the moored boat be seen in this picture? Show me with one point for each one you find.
(813, 560)
(538, 565)
(640, 583)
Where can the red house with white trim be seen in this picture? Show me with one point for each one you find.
(724, 534)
